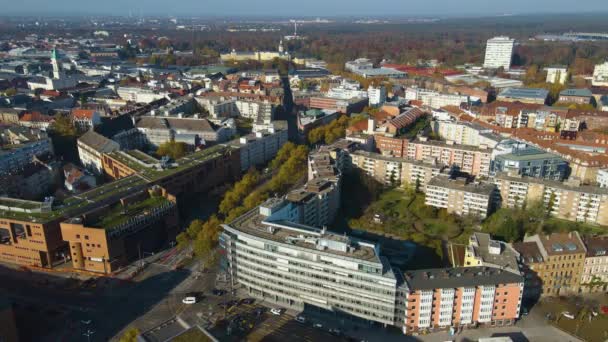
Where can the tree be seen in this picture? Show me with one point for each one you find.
(172, 149)
(63, 126)
(207, 237)
(183, 240)
(130, 335)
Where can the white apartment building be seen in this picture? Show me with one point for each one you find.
(91, 147)
(140, 95)
(557, 74)
(435, 99)
(464, 133)
(376, 95)
(600, 75)
(499, 51)
(260, 147)
(602, 178)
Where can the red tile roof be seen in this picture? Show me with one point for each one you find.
(83, 113)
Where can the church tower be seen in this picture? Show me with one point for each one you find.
(281, 49)
(55, 63)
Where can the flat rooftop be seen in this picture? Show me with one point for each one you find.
(73, 205)
(290, 233)
(119, 214)
(482, 188)
(438, 278)
(552, 183)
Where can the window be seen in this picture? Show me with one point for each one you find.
(86, 237)
(78, 236)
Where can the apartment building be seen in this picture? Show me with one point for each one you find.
(91, 147)
(531, 162)
(485, 251)
(294, 265)
(384, 169)
(473, 160)
(85, 119)
(260, 147)
(578, 96)
(595, 272)
(602, 178)
(531, 260)
(600, 75)
(567, 200)
(392, 170)
(435, 99)
(563, 262)
(461, 297)
(460, 197)
(140, 95)
(465, 133)
(109, 237)
(14, 157)
(499, 51)
(557, 74)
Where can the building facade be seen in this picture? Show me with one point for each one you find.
(499, 51)
(473, 160)
(460, 197)
(595, 272)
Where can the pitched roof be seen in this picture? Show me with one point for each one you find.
(83, 113)
(98, 142)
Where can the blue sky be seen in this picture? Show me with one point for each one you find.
(304, 7)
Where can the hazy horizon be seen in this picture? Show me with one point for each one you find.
(270, 8)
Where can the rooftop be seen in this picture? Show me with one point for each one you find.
(119, 214)
(529, 252)
(551, 183)
(597, 246)
(482, 188)
(560, 243)
(438, 278)
(576, 92)
(302, 236)
(526, 93)
(494, 252)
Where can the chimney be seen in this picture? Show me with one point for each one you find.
(371, 125)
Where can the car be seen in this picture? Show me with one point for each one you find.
(335, 332)
(189, 300)
(318, 325)
(276, 311)
(259, 311)
(567, 315)
(524, 312)
(247, 301)
(300, 318)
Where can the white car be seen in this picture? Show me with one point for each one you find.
(300, 319)
(189, 300)
(276, 311)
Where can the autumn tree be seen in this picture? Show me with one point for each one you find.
(130, 335)
(63, 126)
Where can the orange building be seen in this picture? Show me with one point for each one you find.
(461, 297)
(109, 237)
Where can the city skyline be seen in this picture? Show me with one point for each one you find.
(338, 8)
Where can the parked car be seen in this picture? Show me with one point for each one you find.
(189, 300)
(276, 311)
(524, 311)
(318, 325)
(567, 315)
(300, 318)
(335, 332)
(247, 301)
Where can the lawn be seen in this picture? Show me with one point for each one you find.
(402, 214)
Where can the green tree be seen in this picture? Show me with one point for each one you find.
(172, 149)
(183, 240)
(63, 126)
(130, 335)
